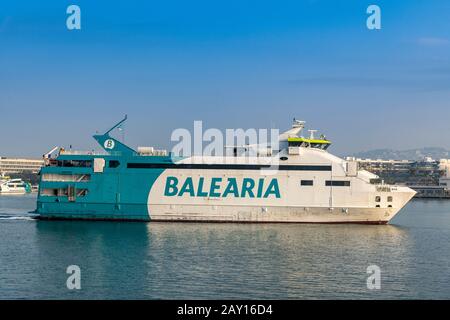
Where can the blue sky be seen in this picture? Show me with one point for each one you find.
(229, 63)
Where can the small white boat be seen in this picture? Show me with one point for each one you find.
(14, 186)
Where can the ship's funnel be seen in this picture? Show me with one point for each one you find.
(112, 145)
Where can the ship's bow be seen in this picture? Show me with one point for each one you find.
(402, 195)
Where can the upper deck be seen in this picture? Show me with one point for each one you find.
(295, 152)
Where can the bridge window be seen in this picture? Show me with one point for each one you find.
(389, 199)
(377, 199)
(307, 182)
(296, 144)
(337, 183)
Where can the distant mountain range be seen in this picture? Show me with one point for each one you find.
(412, 154)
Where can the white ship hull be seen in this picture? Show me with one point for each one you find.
(275, 214)
(360, 202)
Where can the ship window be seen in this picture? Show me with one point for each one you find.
(66, 177)
(307, 182)
(337, 183)
(283, 158)
(377, 206)
(114, 163)
(50, 192)
(375, 181)
(377, 199)
(82, 192)
(390, 206)
(296, 143)
(389, 199)
(75, 163)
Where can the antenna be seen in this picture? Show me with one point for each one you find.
(117, 125)
(311, 133)
(122, 131)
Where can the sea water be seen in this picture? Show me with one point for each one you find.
(137, 260)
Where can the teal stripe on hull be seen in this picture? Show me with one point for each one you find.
(93, 211)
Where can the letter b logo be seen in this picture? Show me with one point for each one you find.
(109, 144)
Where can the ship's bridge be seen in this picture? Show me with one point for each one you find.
(308, 143)
(293, 139)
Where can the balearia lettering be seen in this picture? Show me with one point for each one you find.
(219, 187)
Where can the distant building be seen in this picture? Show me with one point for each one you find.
(430, 178)
(444, 166)
(15, 165)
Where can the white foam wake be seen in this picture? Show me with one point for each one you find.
(11, 217)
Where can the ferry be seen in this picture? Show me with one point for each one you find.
(308, 185)
(14, 186)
